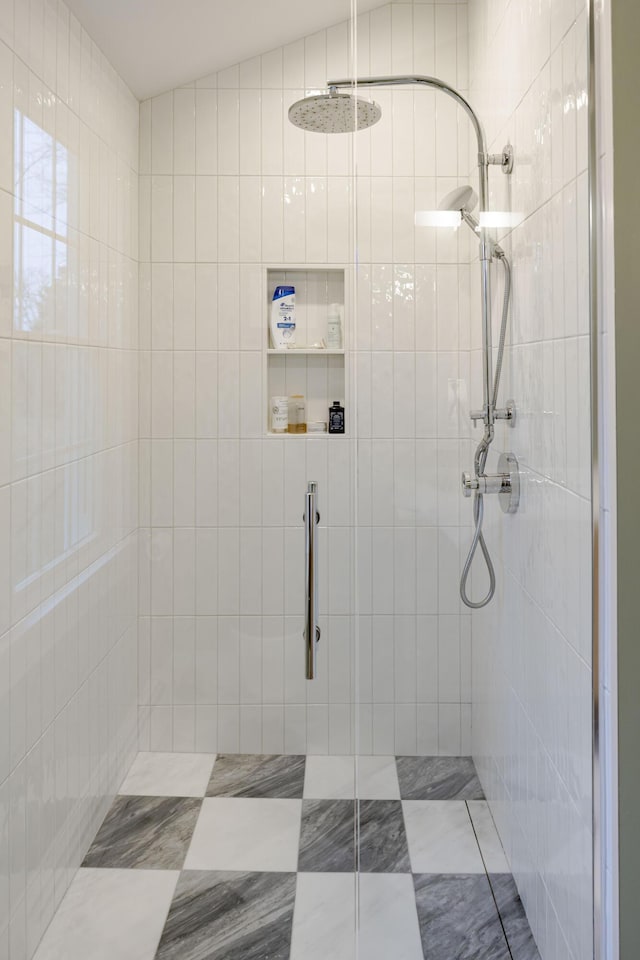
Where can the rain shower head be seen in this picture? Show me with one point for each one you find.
(462, 198)
(334, 113)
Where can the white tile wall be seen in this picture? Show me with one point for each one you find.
(221, 505)
(226, 184)
(532, 646)
(68, 454)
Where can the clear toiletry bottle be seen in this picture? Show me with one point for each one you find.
(336, 418)
(297, 414)
(334, 327)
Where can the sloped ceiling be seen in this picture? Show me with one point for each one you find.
(159, 44)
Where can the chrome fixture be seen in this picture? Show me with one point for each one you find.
(503, 160)
(304, 114)
(311, 628)
(334, 113)
(507, 413)
(506, 483)
(462, 198)
(509, 487)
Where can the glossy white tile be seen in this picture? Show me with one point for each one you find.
(536, 557)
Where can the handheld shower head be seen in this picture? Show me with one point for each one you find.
(334, 113)
(462, 198)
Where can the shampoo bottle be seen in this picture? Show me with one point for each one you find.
(283, 318)
(334, 327)
(336, 418)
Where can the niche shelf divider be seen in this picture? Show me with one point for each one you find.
(321, 375)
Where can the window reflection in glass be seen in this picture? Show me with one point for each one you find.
(43, 256)
(40, 224)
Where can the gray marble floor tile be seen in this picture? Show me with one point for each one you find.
(458, 918)
(229, 916)
(327, 836)
(383, 840)
(253, 775)
(149, 832)
(438, 778)
(514, 919)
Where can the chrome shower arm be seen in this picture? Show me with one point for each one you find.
(437, 84)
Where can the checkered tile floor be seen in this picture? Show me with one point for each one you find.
(255, 858)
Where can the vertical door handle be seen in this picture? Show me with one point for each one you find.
(311, 628)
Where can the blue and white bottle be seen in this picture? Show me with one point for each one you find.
(283, 318)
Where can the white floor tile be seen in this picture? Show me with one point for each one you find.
(246, 834)
(332, 778)
(440, 837)
(378, 778)
(169, 775)
(388, 918)
(109, 914)
(324, 919)
(329, 778)
(490, 846)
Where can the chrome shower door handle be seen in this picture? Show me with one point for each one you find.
(311, 628)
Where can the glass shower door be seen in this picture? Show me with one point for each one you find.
(431, 862)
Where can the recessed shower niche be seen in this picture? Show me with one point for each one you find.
(311, 369)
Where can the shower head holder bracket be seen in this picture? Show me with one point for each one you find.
(507, 413)
(503, 160)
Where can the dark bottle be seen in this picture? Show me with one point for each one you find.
(336, 418)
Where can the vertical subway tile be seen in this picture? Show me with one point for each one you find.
(184, 132)
(162, 134)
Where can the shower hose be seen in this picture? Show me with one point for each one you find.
(480, 461)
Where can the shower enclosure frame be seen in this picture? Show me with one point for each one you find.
(603, 946)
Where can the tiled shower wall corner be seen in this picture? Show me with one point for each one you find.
(68, 454)
(532, 646)
(228, 185)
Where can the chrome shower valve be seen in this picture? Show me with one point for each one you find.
(506, 483)
(486, 483)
